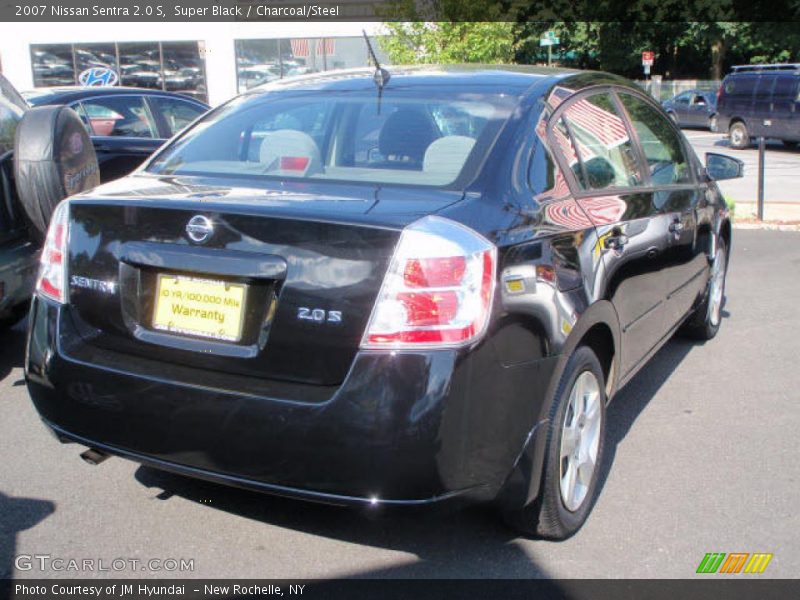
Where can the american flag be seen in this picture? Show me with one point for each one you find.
(326, 47)
(558, 95)
(568, 214)
(601, 124)
(604, 210)
(587, 212)
(300, 47)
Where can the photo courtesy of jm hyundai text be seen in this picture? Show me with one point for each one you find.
(381, 288)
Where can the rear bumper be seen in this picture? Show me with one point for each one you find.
(18, 266)
(403, 428)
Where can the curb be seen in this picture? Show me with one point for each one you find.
(766, 226)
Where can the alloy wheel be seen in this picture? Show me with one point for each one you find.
(717, 287)
(580, 440)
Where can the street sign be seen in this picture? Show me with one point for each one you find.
(549, 42)
(648, 57)
(647, 69)
(549, 39)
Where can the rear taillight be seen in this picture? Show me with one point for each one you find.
(438, 289)
(52, 281)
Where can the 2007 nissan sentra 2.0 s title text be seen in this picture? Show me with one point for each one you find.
(384, 289)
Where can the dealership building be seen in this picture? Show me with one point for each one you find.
(209, 61)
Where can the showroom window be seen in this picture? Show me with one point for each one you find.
(261, 61)
(170, 66)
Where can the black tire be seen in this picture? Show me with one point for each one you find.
(790, 144)
(548, 516)
(702, 325)
(14, 316)
(53, 158)
(739, 136)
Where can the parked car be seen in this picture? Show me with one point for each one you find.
(760, 100)
(693, 108)
(399, 289)
(19, 256)
(45, 155)
(126, 124)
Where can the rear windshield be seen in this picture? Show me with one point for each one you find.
(341, 136)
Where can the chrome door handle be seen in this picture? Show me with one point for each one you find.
(615, 242)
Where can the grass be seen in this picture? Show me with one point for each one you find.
(731, 206)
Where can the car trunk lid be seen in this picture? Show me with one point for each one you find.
(268, 282)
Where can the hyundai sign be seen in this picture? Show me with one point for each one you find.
(98, 77)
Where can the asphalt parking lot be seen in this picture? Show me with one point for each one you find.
(781, 166)
(702, 457)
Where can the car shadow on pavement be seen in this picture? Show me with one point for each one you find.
(18, 514)
(12, 349)
(472, 542)
(635, 396)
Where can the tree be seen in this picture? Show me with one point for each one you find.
(448, 42)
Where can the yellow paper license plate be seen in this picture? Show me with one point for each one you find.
(201, 307)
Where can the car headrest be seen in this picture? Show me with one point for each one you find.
(290, 150)
(600, 172)
(405, 136)
(448, 154)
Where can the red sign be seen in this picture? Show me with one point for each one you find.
(647, 57)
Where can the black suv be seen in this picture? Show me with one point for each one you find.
(760, 100)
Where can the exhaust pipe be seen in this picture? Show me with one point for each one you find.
(93, 456)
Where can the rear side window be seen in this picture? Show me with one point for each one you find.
(786, 86)
(126, 116)
(177, 113)
(765, 85)
(592, 137)
(683, 98)
(662, 147)
(741, 85)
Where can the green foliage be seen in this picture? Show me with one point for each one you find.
(494, 31)
(682, 50)
(446, 42)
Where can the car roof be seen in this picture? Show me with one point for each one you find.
(514, 80)
(55, 95)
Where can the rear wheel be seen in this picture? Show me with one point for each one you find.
(575, 439)
(739, 136)
(790, 144)
(704, 323)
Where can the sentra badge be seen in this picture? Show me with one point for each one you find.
(106, 287)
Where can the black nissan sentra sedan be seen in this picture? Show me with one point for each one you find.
(394, 290)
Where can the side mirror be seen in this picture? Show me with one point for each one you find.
(719, 166)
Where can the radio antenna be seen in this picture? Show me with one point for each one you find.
(381, 76)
